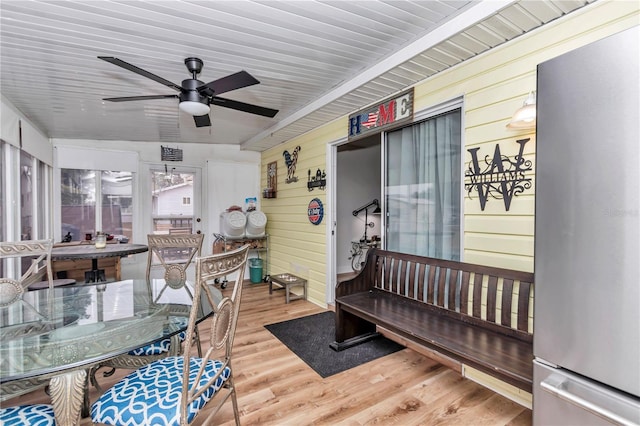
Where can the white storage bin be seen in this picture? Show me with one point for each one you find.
(256, 224)
(232, 224)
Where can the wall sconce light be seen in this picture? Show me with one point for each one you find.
(525, 116)
(366, 208)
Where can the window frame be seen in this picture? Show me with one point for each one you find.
(74, 157)
(98, 188)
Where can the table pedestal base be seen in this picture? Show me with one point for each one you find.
(67, 396)
(96, 276)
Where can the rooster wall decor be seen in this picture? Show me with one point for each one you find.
(291, 160)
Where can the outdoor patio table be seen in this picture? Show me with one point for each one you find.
(59, 334)
(89, 251)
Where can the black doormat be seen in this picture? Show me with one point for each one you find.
(309, 338)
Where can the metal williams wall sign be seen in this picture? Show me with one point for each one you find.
(499, 177)
(389, 113)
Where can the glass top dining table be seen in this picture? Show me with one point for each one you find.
(57, 334)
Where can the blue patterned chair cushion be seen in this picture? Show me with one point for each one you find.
(163, 345)
(155, 348)
(32, 415)
(151, 395)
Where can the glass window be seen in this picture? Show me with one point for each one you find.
(26, 211)
(423, 184)
(3, 197)
(42, 197)
(26, 197)
(93, 201)
(117, 209)
(77, 202)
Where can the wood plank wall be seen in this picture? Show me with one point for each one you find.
(494, 85)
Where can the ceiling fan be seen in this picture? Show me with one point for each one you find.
(195, 96)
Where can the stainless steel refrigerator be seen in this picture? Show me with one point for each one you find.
(587, 232)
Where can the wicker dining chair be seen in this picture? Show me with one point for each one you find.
(169, 256)
(34, 258)
(37, 254)
(173, 390)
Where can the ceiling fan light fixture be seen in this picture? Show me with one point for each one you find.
(194, 108)
(191, 101)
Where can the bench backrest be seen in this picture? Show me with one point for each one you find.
(501, 299)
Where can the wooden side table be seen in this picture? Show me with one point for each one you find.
(286, 281)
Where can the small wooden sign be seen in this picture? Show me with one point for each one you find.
(388, 114)
(272, 181)
(317, 181)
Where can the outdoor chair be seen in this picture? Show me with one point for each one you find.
(172, 391)
(169, 256)
(35, 256)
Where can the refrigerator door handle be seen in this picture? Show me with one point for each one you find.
(559, 386)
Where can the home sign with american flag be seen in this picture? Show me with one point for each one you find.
(389, 113)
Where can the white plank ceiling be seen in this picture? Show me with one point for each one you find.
(316, 60)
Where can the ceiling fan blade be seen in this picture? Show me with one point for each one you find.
(228, 83)
(140, 98)
(202, 120)
(241, 106)
(140, 71)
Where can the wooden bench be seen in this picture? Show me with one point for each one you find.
(468, 317)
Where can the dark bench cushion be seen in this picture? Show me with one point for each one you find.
(502, 356)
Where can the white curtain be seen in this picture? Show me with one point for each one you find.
(423, 187)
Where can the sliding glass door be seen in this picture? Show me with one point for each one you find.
(423, 187)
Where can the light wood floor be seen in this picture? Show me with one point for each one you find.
(275, 387)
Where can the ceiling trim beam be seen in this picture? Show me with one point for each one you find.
(477, 13)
